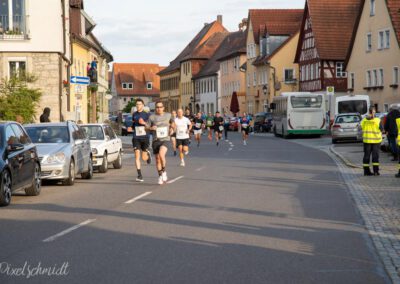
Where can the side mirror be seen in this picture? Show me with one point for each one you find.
(272, 106)
(15, 147)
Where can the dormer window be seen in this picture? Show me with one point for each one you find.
(127, 86)
(149, 85)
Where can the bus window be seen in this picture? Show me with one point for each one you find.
(358, 106)
(306, 102)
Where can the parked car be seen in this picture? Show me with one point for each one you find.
(64, 151)
(126, 127)
(346, 126)
(106, 146)
(19, 163)
(263, 122)
(234, 124)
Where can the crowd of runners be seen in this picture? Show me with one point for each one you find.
(176, 128)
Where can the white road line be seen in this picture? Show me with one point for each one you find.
(174, 180)
(200, 169)
(138, 197)
(67, 231)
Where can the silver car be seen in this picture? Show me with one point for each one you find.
(64, 151)
(346, 126)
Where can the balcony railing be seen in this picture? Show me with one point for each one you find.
(15, 29)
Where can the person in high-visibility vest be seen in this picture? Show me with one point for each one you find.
(398, 144)
(372, 139)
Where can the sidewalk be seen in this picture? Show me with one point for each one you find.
(378, 200)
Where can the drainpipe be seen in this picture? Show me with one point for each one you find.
(64, 58)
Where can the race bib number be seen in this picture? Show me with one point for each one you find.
(162, 132)
(221, 128)
(198, 125)
(140, 131)
(244, 125)
(209, 123)
(181, 132)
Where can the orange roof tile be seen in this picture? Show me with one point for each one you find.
(275, 21)
(394, 11)
(138, 74)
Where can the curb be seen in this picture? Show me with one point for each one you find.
(343, 159)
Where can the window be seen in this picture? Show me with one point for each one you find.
(289, 75)
(20, 134)
(149, 86)
(372, 8)
(395, 75)
(12, 17)
(351, 81)
(369, 79)
(369, 42)
(127, 86)
(340, 73)
(386, 107)
(375, 78)
(254, 78)
(384, 39)
(381, 77)
(17, 69)
(11, 138)
(387, 40)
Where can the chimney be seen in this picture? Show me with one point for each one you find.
(219, 19)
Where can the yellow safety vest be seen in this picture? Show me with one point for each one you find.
(398, 128)
(371, 131)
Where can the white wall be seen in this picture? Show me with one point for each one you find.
(45, 28)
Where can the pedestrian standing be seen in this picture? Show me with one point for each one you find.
(372, 138)
(140, 139)
(162, 125)
(391, 130)
(398, 145)
(45, 117)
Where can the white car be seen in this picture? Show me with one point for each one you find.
(106, 146)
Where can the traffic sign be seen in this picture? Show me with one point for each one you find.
(80, 80)
(330, 90)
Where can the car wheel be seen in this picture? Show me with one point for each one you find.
(89, 173)
(71, 174)
(5, 188)
(104, 166)
(118, 163)
(36, 186)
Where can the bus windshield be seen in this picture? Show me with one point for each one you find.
(359, 106)
(306, 102)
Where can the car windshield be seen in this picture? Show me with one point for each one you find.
(260, 118)
(94, 132)
(306, 102)
(48, 134)
(353, 106)
(348, 119)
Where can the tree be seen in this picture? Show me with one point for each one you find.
(129, 106)
(17, 98)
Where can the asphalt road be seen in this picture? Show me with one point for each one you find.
(270, 212)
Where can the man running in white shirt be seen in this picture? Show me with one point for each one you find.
(183, 126)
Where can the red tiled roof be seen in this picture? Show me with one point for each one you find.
(394, 11)
(207, 49)
(138, 74)
(332, 23)
(275, 21)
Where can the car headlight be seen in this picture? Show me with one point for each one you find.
(94, 151)
(56, 158)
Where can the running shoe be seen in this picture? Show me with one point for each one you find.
(244, 143)
(164, 176)
(139, 178)
(186, 153)
(217, 143)
(160, 180)
(182, 164)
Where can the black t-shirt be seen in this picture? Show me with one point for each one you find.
(198, 123)
(218, 121)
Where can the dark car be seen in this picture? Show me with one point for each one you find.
(127, 126)
(263, 122)
(19, 163)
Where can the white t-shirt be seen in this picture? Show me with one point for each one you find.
(182, 127)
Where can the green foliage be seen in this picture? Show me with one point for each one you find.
(17, 98)
(129, 106)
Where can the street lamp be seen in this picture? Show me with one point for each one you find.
(192, 101)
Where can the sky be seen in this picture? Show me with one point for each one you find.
(156, 31)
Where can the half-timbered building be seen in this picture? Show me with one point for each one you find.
(324, 41)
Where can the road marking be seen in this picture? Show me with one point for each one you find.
(174, 180)
(138, 197)
(200, 169)
(67, 231)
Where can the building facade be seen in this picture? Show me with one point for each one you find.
(374, 58)
(28, 45)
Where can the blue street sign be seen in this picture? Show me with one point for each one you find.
(80, 80)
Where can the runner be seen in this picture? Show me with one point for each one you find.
(190, 116)
(140, 140)
(218, 126)
(161, 124)
(227, 122)
(173, 136)
(209, 124)
(245, 125)
(197, 128)
(183, 126)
